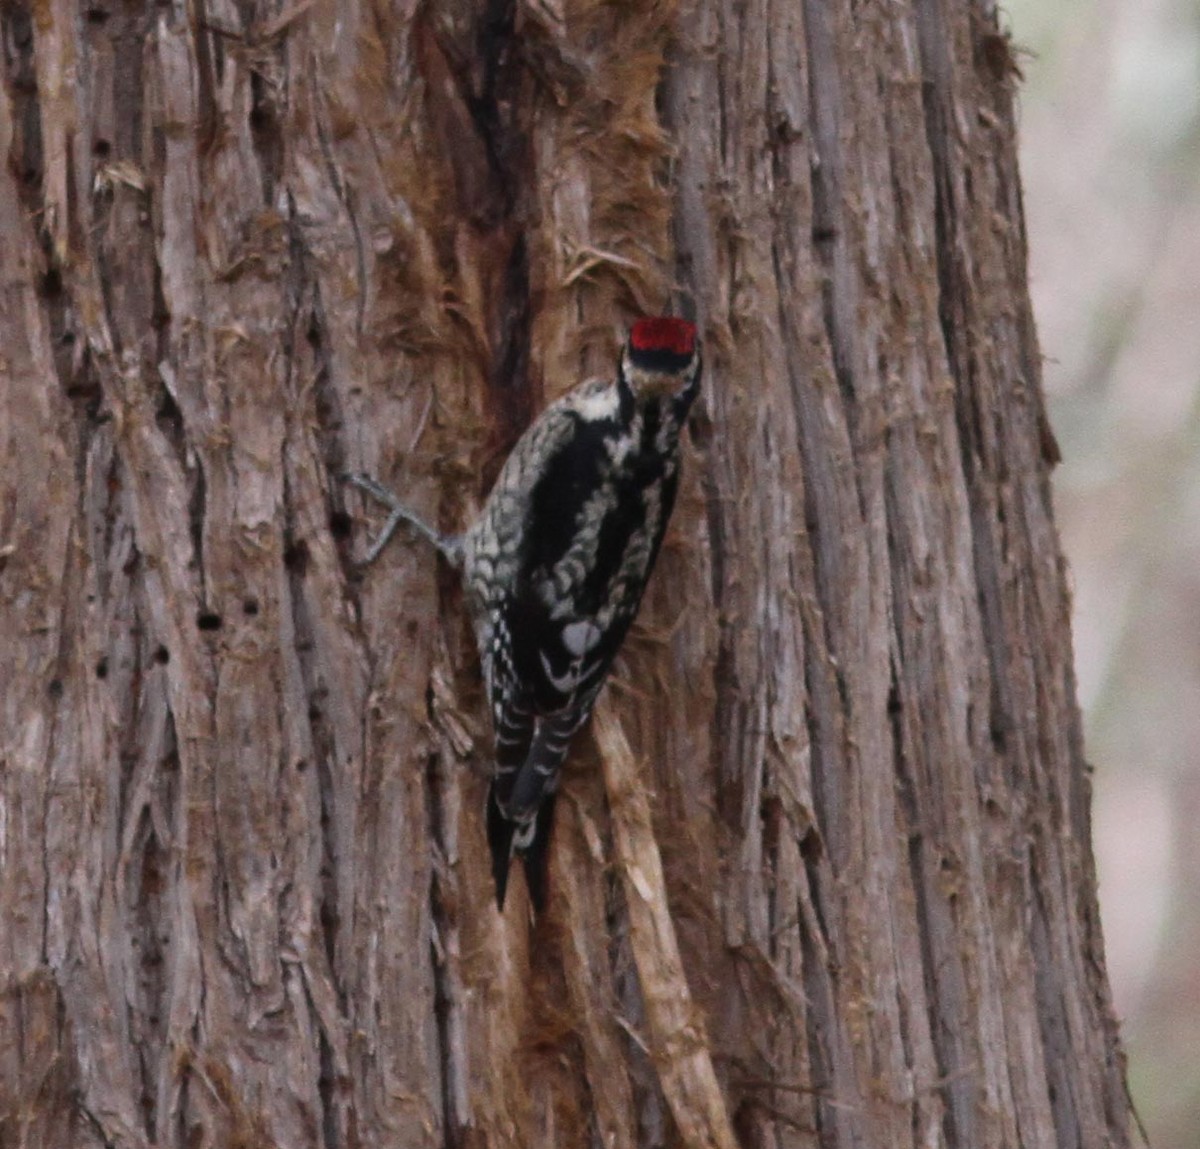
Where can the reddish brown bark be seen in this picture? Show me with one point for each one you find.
(245, 897)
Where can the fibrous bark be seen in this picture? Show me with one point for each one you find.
(245, 900)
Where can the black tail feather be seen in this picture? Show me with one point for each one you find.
(500, 835)
(535, 857)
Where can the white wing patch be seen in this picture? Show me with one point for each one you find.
(580, 637)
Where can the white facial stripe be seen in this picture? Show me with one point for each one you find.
(600, 404)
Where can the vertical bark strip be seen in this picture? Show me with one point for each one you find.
(678, 1043)
(823, 874)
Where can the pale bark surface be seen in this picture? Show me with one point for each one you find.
(244, 893)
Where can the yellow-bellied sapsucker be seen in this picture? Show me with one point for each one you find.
(555, 567)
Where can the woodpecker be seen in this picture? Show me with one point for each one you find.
(555, 567)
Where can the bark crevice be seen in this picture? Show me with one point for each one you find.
(16, 26)
(831, 241)
(491, 168)
(955, 295)
(1054, 1024)
(933, 959)
(444, 950)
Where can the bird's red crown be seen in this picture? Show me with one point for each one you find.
(664, 333)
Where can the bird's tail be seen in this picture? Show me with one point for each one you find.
(529, 838)
(520, 808)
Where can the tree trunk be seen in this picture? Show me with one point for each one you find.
(822, 873)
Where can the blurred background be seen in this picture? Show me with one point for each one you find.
(1110, 133)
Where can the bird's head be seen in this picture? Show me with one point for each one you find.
(661, 360)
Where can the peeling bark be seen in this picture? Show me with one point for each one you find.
(823, 872)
